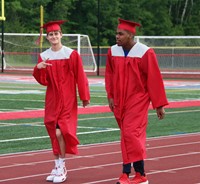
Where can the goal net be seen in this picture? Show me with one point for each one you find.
(175, 54)
(21, 51)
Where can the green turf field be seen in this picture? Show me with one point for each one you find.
(30, 134)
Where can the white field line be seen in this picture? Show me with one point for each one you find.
(174, 145)
(101, 166)
(22, 100)
(105, 144)
(22, 87)
(149, 173)
(101, 154)
(108, 117)
(105, 117)
(97, 145)
(67, 159)
(19, 110)
(92, 132)
(28, 108)
(178, 100)
(40, 124)
(7, 124)
(2, 110)
(44, 137)
(173, 136)
(4, 124)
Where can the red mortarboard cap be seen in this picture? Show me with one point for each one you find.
(128, 25)
(50, 26)
(53, 25)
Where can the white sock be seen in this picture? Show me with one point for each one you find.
(57, 163)
(62, 162)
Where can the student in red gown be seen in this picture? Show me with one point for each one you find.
(60, 69)
(133, 80)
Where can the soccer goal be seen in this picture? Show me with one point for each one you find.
(176, 54)
(21, 51)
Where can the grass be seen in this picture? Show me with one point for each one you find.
(177, 121)
(30, 134)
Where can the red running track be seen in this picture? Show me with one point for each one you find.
(171, 160)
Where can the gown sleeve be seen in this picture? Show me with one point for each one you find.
(80, 76)
(40, 74)
(155, 84)
(109, 75)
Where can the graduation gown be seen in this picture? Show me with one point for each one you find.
(62, 79)
(133, 82)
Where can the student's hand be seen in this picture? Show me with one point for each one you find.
(160, 112)
(111, 104)
(85, 103)
(43, 64)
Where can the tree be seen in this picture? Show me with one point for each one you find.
(158, 17)
(59, 10)
(185, 16)
(84, 19)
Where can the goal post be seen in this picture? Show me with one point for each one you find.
(21, 50)
(2, 19)
(175, 54)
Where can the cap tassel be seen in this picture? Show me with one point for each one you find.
(39, 39)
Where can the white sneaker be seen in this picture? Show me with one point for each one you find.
(61, 175)
(52, 175)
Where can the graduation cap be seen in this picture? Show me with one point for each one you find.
(128, 25)
(49, 27)
(53, 25)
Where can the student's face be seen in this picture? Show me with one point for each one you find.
(123, 38)
(54, 37)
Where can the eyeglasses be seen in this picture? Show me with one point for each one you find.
(54, 33)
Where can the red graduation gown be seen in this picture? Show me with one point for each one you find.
(133, 82)
(61, 79)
